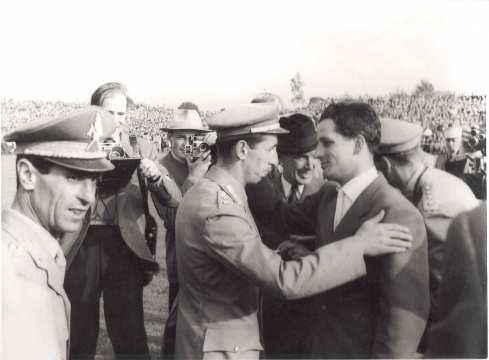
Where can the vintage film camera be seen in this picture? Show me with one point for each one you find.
(195, 147)
(476, 140)
(125, 165)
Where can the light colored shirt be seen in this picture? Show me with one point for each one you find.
(288, 187)
(349, 192)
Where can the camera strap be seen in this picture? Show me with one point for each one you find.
(150, 223)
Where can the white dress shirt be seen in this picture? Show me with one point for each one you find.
(288, 187)
(348, 193)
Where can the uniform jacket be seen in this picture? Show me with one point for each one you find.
(273, 182)
(130, 210)
(440, 197)
(284, 322)
(35, 309)
(382, 314)
(461, 330)
(222, 262)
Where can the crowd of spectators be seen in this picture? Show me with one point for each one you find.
(434, 111)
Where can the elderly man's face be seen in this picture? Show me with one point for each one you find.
(298, 169)
(61, 198)
(453, 144)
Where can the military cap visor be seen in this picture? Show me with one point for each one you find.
(70, 141)
(260, 118)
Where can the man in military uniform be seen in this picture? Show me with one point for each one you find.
(58, 162)
(438, 195)
(283, 322)
(114, 258)
(222, 260)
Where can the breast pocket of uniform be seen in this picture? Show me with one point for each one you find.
(233, 339)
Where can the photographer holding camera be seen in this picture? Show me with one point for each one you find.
(465, 158)
(187, 162)
(116, 257)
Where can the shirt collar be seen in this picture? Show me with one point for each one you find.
(354, 187)
(288, 186)
(45, 239)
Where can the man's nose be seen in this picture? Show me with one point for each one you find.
(274, 158)
(87, 190)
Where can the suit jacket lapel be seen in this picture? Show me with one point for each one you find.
(354, 217)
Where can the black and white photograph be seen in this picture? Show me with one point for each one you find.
(226, 180)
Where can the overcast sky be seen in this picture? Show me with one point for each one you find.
(220, 53)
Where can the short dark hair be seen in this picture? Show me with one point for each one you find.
(42, 165)
(224, 147)
(107, 89)
(39, 163)
(354, 118)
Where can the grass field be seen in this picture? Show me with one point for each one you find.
(155, 294)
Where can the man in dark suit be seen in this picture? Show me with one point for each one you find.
(114, 258)
(283, 322)
(461, 330)
(382, 314)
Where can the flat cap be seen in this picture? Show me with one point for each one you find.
(398, 136)
(185, 119)
(261, 118)
(70, 141)
(302, 136)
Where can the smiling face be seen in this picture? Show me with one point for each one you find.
(336, 153)
(298, 169)
(260, 159)
(61, 198)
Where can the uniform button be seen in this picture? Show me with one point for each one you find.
(236, 348)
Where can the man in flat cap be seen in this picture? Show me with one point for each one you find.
(372, 316)
(58, 162)
(115, 260)
(438, 195)
(185, 171)
(283, 322)
(221, 258)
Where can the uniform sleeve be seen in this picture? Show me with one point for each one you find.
(234, 241)
(298, 218)
(404, 291)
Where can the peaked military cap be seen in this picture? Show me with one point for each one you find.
(398, 136)
(70, 141)
(261, 118)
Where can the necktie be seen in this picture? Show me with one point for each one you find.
(294, 194)
(340, 207)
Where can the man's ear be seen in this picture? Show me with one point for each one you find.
(26, 174)
(241, 149)
(359, 144)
